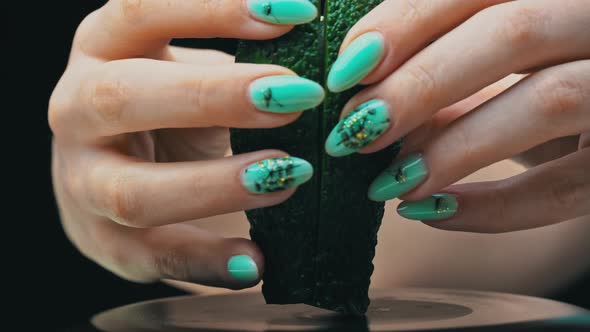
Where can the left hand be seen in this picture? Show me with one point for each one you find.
(434, 67)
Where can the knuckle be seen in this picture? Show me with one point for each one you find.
(115, 256)
(131, 11)
(501, 217)
(414, 10)
(110, 254)
(213, 7)
(422, 77)
(172, 264)
(123, 204)
(196, 91)
(568, 192)
(58, 110)
(74, 184)
(464, 145)
(108, 97)
(559, 95)
(86, 29)
(521, 28)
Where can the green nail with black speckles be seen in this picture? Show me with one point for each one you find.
(401, 177)
(436, 207)
(285, 94)
(358, 129)
(276, 174)
(283, 11)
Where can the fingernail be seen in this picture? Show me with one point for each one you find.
(356, 62)
(242, 268)
(276, 174)
(359, 128)
(285, 94)
(399, 178)
(436, 207)
(283, 11)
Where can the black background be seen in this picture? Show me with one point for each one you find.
(60, 288)
(56, 287)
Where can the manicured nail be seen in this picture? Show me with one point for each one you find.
(438, 206)
(285, 94)
(399, 178)
(359, 128)
(283, 11)
(243, 268)
(356, 62)
(276, 174)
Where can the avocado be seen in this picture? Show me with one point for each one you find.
(318, 245)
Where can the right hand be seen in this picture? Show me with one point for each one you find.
(124, 180)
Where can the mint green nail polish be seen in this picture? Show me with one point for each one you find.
(243, 268)
(399, 178)
(285, 94)
(438, 206)
(283, 11)
(276, 174)
(359, 128)
(356, 62)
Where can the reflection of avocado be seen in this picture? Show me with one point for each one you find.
(320, 243)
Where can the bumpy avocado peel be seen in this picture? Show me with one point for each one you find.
(318, 245)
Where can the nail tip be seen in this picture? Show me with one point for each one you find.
(377, 198)
(308, 169)
(334, 85)
(374, 198)
(347, 138)
(336, 152)
(356, 62)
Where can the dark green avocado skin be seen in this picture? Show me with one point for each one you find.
(318, 245)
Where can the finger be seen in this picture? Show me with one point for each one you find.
(130, 28)
(404, 28)
(178, 252)
(545, 195)
(442, 119)
(502, 39)
(137, 95)
(139, 194)
(585, 140)
(547, 105)
(199, 56)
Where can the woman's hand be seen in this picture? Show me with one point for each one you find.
(124, 181)
(434, 68)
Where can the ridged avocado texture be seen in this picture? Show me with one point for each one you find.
(318, 245)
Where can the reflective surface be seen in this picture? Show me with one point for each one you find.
(391, 310)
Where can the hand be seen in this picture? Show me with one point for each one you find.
(428, 62)
(124, 182)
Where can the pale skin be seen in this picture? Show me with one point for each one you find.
(125, 182)
(477, 43)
